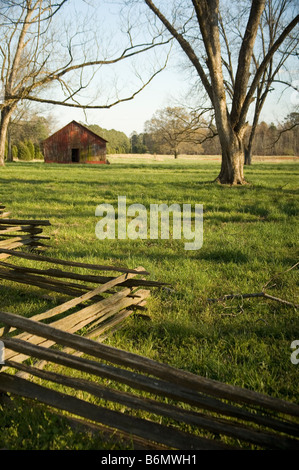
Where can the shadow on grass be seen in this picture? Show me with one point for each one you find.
(21, 296)
(224, 256)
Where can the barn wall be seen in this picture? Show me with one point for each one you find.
(58, 147)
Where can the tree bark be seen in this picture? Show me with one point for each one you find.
(248, 146)
(9, 157)
(4, 122)
(232, 145)
(232, 161)
(247, 155)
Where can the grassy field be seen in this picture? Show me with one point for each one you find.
(250, 237)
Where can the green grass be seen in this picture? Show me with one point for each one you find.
(250, 237)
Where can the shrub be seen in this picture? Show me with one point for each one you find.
(14, 151)
(38, 155)
(23, 152)
(31, 149)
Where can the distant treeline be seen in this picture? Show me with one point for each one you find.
(282, 139)
(25, 140)
(118, 142)
(270, 139)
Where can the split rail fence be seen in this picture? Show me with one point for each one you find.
(154, 405)
(16, 233)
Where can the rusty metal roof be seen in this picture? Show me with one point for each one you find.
(79, 125)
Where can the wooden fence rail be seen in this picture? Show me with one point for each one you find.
(156, 405)
(16, 233)
(96, 309)
(102, 301)
(202, 404)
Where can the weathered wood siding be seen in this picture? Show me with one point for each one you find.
(60, 147)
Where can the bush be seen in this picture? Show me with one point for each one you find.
(14, 151)
(24, 152)
(38, 155)
(6, 150)
(31, 149)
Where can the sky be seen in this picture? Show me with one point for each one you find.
(128, 117)
(166, 87)
(131, 116)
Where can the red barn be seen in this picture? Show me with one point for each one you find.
(75, 143)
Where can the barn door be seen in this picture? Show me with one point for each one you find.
(75, 155)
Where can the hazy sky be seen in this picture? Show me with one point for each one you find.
(129, 116)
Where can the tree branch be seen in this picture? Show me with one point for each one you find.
(82, 106)
(245, 55)
(258, 294)
(261, 70)
(185, 45)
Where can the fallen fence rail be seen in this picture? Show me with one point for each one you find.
(96, 309)
(229, 411)
(157, 406)
(102, 302)
(16, 233)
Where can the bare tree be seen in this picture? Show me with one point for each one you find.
(270, 28)
(287, 135)
(173, 126)
(44, 65)
(197, 28)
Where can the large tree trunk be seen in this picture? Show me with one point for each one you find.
(232, 167)
(4, 122)
(232, 162)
